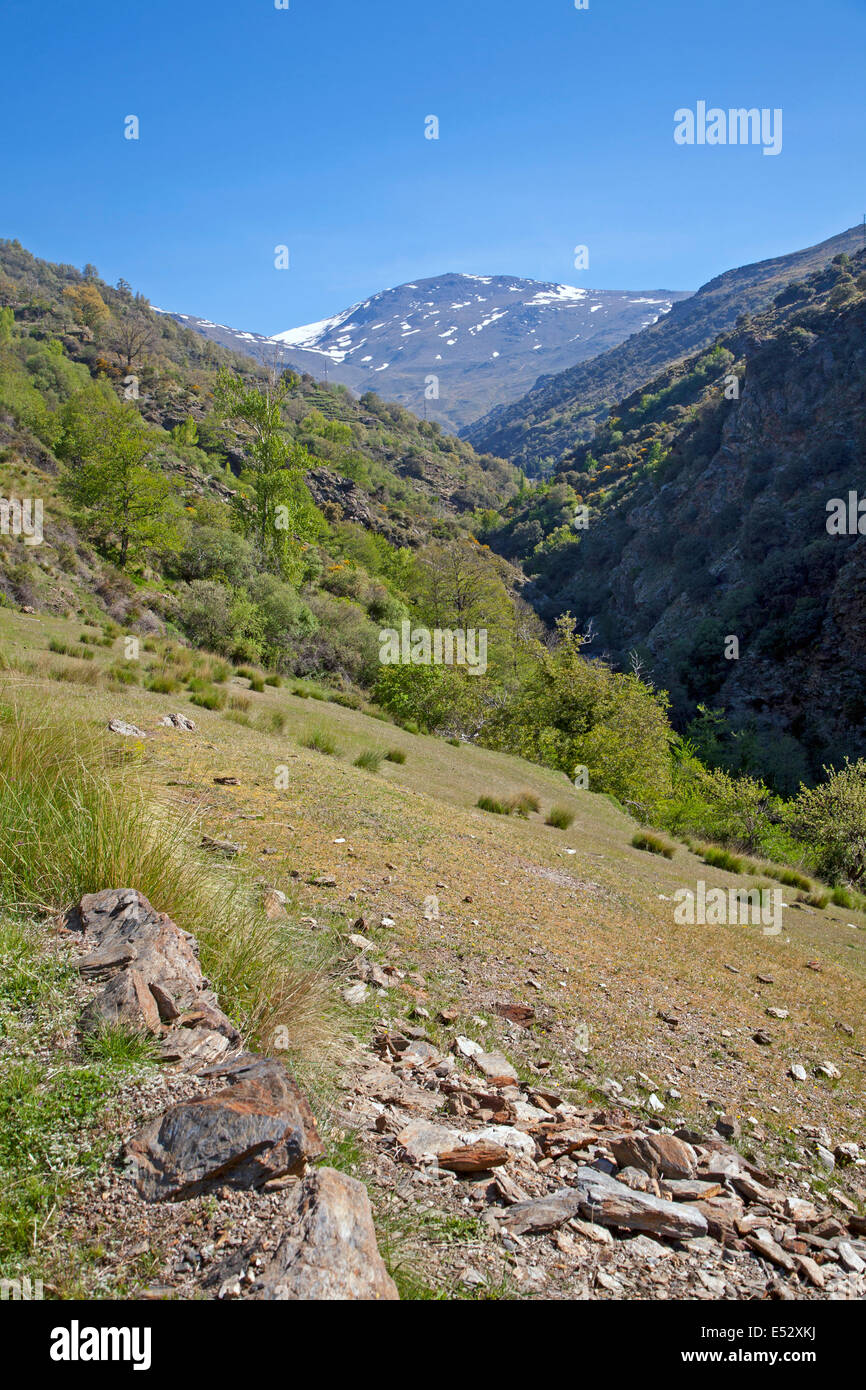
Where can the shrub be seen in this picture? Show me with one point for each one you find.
(655, 844)
(559, 817)
(831, 819)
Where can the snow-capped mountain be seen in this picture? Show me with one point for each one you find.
(455, 345)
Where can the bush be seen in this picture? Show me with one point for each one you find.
(559, 817)
(831, 820)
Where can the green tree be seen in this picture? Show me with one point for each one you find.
(123, 501)
(285, 518)
(570, 712)
(831, 820)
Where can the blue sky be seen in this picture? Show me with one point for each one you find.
(305, 127)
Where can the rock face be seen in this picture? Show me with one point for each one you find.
(329, 1251)
(258, 1129)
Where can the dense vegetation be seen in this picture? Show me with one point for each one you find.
(202, 502)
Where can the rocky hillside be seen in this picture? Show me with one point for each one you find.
(486, 339)
(707, 495)
(381, 480)
(564, 410)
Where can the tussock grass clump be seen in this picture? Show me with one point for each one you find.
(274, 680)
(524, 803)
(163, 685)
(257, 684)
(370, 759)
(395, 755)
(654, 844)
(724, 859)
(818, 899)
(210, 698)
(68, 649)
(321, 742)
(75, 675)
(70, 824)
(240, 702)
(490, 803)
(118, 1045)
(559, 817)
(272, 721)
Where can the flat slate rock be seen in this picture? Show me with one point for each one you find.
(660, 1155)
(611, 1203)
(258, 1129)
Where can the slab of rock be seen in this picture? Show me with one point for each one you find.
(120, 726)
(227, 848)
(259, 1128)
(610, 1203)
(660, 1155)
(329, 1251)
(458, 1151)
(543, 1214)
(690, 1189)
(496, 1068)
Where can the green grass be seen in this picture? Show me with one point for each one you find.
(118, 1045)
(163, 685)
(496, 808)
(655, 844)
(524, 803)
(559, 817)
(395, 755)
(725, 859)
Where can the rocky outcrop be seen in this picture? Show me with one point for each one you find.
(255, 1133)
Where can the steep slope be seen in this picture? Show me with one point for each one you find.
(485, 338)
(708, 519)
(563, 410)
(384, 484)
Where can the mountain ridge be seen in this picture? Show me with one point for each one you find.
(561, 411)
(452, 346)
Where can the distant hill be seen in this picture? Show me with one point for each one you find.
(485, 338)
(563, 410)
(707, 520)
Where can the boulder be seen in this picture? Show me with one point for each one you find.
(329, 1252)
(660, 1155)
(257, 1129)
